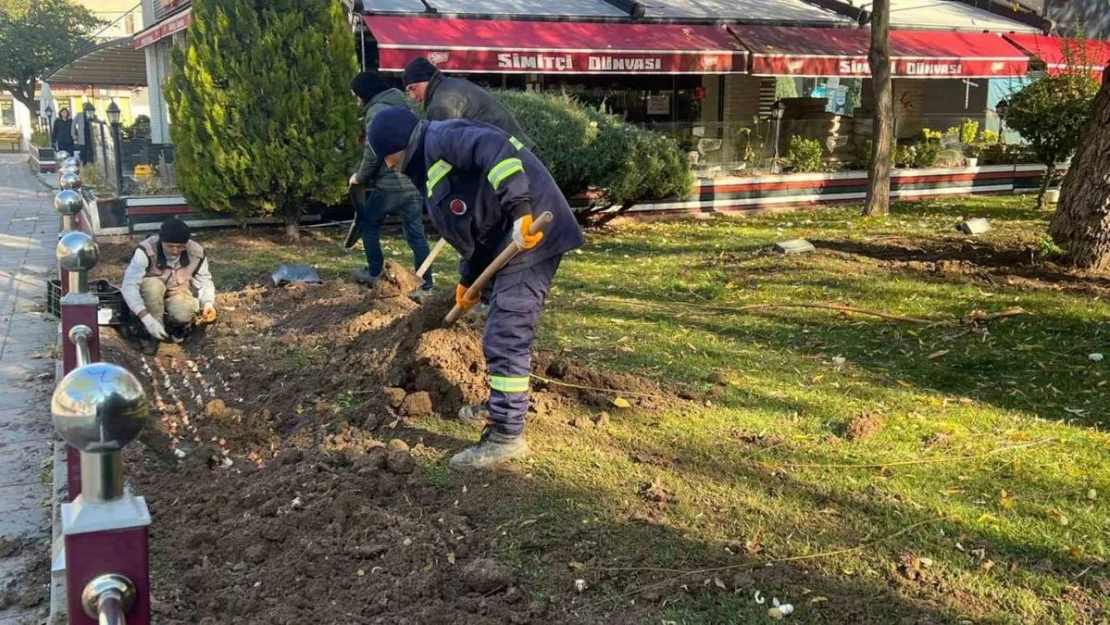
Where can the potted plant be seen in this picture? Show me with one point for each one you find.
(42, 153)
(972, 152)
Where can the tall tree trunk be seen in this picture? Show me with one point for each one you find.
(878, 189)
(291, 214)
(1081, 225)
(1046, 182)
(23, 92)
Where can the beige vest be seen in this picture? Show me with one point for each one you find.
(176, 280)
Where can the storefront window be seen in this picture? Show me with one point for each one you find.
(843, 95)
(7, 112)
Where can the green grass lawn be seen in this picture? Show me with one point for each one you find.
(981, 498)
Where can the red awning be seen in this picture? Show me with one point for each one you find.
(164, 29)
(1058, 54)
(513, 47)
(783, 51)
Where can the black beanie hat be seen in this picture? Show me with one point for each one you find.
(391, 130)
(174, 230)
(366, 85)
(419, 69)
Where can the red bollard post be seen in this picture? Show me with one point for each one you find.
(77, 253)
(99, 408)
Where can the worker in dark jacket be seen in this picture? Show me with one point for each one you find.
(389, 191)
(482, 191)
(454, 98)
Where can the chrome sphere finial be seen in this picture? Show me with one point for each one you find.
(99, 408)
(68, 202)
(77, 251)
(70, 182)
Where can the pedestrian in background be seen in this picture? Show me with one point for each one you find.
(63, 134)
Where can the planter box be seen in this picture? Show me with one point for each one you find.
(42, 159)
(771, 192)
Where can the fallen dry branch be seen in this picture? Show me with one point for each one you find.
(837, 307)
(596, 389)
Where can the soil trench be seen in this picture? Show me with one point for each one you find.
(277, 492)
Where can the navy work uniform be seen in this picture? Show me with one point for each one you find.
(482, 189)
(477, 182)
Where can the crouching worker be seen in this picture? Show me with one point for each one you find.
(168, 285)
(482, 189)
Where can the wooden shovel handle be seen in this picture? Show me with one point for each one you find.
(538, 225)
(436, 249)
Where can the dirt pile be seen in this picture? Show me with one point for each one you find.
(316, 537)
(277, 496)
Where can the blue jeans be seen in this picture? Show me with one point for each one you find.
(380, 205)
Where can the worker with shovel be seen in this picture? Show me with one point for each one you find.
(483, 191)
(389, 192)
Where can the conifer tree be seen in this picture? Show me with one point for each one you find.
(263, 121)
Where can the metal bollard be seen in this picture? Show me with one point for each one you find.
(60, 157)
(70, 182)
(77, 253)
(99, 408)
(68, 203)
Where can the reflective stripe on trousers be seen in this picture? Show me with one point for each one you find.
(515, 306)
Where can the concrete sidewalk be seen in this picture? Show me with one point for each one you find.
(28, 236)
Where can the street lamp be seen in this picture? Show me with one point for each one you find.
(113, 119)
(778, 109)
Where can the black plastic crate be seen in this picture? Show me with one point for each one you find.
(110, 299)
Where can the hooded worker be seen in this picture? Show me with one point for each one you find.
(388, 191)
(482, 189)
(168, 283)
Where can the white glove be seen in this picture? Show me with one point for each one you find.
(155, 328)
(353, 182)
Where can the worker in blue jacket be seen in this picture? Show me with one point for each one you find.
(482, 189)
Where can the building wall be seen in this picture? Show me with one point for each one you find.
(1090, 16)
(741, 98)
(157, 71)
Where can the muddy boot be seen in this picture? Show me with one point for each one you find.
(477, 415)
(493, 449)
(362, 276)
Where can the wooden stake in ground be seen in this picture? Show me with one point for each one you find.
(878, 189)
(1081, 224)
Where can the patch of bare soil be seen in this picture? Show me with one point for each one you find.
(1010, 263)
(285, 476)
(863, 427)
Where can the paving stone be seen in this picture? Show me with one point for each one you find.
(28, 237)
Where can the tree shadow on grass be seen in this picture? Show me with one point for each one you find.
(1015, 364)
(636, 566)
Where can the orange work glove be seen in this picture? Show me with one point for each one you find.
(208, 315)
(460, 298)
(520, 233)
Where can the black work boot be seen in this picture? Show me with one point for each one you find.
(493, 449)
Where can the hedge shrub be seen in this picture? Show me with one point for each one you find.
(587, 149)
